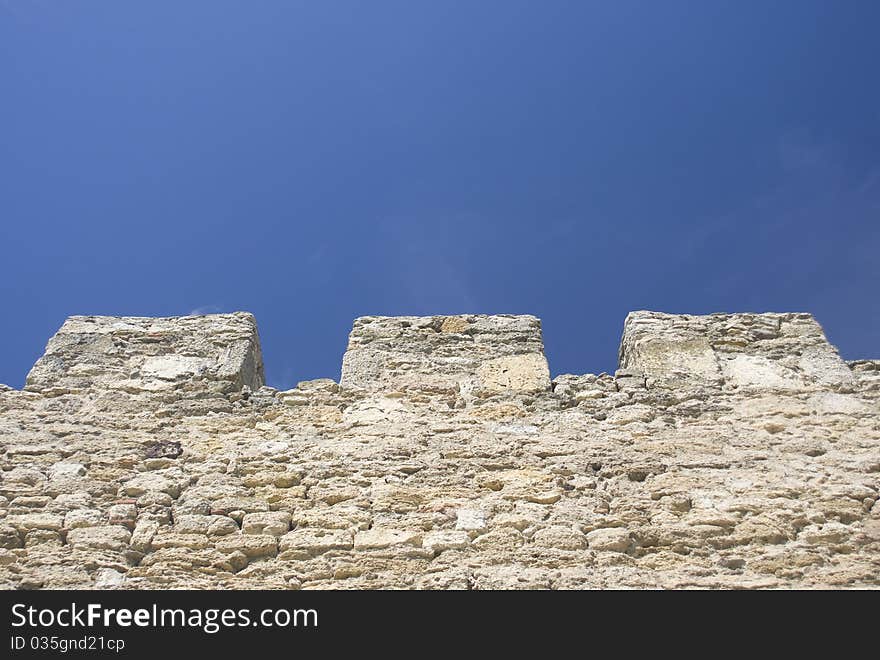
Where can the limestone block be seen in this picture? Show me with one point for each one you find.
(500, 539)
(275, 523)
(562, 538)
(173, 367)
(9, 537)
(193, 523)
(680, 360)
(525, 373)
(107, 578)
(312, 541)
(99, 538)
(42, 537)
(30, 521)
(470, 520)
(169, 539)
(613, 539)
(381, 539)
(150, 482)
(758, 371)
(62, 470)
(445, 539)
(221, 526)
(143, 534)
(866, 373)
(832, 403)
(83, 518)
(122, 514)
(251, 545)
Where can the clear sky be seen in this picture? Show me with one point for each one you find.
(313, 162)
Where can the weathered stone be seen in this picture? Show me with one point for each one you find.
(610, 539)
(445, 540)
(381, 539)
(194, 524)
(221, 526)
(470, 520)
(107, 578)
(10, 537)
(500, 539)
(84, 518)
(519, 373)
(726, 451)
(25, 475)
(177, 540)
(310, 541)
(250, 545)
(145, 483)
(562, 538)
(275, 523)
(42, 537)
(451, 353)
(765, 351)
(122, 514)
(142, 536)
(63, 470)
(99, 538)
(132, 354)
(28, 521)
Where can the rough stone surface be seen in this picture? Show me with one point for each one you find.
(459, 354)
(769, 351)
(133, 354)
(727, 451)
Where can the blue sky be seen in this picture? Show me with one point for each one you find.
(313, 162)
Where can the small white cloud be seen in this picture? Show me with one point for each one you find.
(205, 309)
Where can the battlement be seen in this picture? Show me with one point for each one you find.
(220, 352)
(777, 351)
(729, 450)
(466, 354)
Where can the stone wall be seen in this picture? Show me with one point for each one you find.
(728, 451)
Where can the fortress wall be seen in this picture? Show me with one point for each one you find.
(728, 451)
